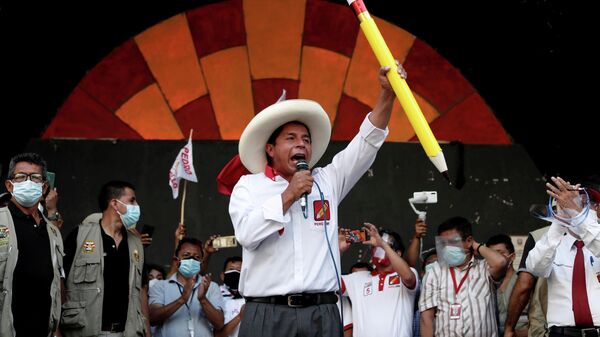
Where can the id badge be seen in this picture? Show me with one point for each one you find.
(191, 327)
(455, 311)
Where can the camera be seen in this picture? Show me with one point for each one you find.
(425, 197)
(224, 242)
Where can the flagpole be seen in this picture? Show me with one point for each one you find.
(183, 200)
(184, 194)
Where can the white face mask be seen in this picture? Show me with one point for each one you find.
(27, 193)
(152, 282)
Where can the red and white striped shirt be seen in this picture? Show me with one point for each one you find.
(476, 298)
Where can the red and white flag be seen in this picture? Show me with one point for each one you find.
(183, 167)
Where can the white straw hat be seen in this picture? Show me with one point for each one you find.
(257, 133)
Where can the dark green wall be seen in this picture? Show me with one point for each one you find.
(497, 186)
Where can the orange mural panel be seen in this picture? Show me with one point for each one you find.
(274, 37)
(149, 115)
(362, 82)
(229, 85)
(400, 128)
(322, 78)
(171, 56)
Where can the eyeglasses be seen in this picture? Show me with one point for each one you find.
(21, 177)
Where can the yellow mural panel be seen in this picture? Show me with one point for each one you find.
(148, 114)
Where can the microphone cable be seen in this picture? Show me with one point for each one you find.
(337, 273)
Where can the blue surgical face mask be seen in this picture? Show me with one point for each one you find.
(131, 215)
(27, 193)
(189, 267)
(454, 256)
(430, 266)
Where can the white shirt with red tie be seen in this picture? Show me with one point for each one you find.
(553, 258)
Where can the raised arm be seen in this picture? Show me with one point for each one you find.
(398, 264)
(383, 107)
(414, 248)
(496, 262)
(539, 260)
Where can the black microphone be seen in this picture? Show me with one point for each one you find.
(301, 165)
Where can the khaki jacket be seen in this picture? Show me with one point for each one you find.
(9, 254)
(82, 310)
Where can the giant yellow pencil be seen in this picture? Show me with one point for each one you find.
(405, 96)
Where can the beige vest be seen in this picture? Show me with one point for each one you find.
(82, 310)
(9, 254)
(538, 302)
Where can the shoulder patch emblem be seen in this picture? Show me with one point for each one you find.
(4, 235)
(89, 246)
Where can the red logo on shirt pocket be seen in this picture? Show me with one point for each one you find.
(321, 213)
(394, 280)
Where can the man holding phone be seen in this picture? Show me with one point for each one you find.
(30, 254)
(382, 300)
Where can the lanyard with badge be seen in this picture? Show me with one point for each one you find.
(456, 308)
(190, 316)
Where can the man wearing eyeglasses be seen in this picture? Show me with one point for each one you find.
(30, 254)
(187, 303)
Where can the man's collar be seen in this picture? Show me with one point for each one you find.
(468, 265)
(16, 211)
(374, 272)
(270, 172)
(173, 279)
(570, 240)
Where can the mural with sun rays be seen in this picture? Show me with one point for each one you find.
(213, 67)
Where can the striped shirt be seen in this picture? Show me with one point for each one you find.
(476, 297)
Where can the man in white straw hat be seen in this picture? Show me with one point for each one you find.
(285, 215)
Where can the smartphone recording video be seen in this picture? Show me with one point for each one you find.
(357, 236)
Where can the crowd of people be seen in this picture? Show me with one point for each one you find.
(288, 281)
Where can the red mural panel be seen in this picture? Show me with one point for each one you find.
(118, 76)
(434, 78)
(330, 26)
(268, 91)
(83, 117)
(470, 122)
(200, 116)
(351, 113)
(217, 26)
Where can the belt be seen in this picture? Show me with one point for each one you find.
(574, 331)
(113, 327)
(297, 300)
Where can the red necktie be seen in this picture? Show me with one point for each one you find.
(581, 306)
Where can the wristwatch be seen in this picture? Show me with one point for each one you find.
(55, 217)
